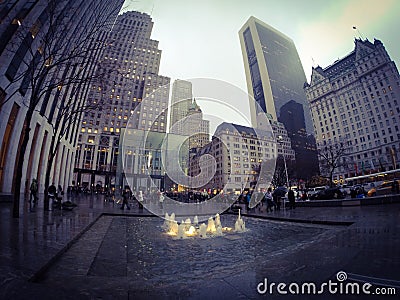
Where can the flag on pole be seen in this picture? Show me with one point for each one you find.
(393, 154)
(381, 165)
(372, 165)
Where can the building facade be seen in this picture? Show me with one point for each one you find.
(36, 36)
(236, 154)
(355, 105)
(275, 80)
(136, 95)
(181, 100)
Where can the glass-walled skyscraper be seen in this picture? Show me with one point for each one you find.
(275, 79)
(273, 68)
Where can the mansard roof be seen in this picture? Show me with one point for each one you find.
(345, 64)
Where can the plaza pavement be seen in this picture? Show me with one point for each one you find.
(365, 243)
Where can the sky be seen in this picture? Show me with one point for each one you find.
(199, 39)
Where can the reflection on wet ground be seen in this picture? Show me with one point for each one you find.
(100, 251)
(137, 251)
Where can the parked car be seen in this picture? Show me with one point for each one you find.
(315, 190)
(387, 187)
(329, 193)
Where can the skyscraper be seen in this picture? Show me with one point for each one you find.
(275, 77)
(186, 122)
(274, 72)
(355, 105)
(133, 63)
(35, 36)
(181, 99)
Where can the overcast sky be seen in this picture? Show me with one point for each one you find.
(199, 38)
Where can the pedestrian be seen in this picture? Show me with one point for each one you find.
(353, 192)
(140, 200)
(34, 189)
(269, 199)
(276, 202)
(52, 194)
(125, 197)
(248, 198)
(52, 191)
(161, 200)
(292, 200)
(360, 192)
(60, 191)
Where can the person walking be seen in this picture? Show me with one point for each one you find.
(292, 200)
(248, 199)
(34, 189)
(125, 197)
(140, 200)
(161, 200)
(269, 199)
(60, 191)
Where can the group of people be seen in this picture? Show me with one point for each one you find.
(274, 200)
(54, 194)
(358, 192)
(127, 194)
(271, 199)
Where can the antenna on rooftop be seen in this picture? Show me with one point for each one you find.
(358, 31)
(152, 10)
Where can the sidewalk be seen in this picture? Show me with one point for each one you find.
(27, 244)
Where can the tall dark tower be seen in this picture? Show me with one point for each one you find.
(275, 79)
(292, 115)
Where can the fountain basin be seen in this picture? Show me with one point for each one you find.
(135, 254)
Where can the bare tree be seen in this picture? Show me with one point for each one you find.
(69, 116)
(331, 158)
(58, 55)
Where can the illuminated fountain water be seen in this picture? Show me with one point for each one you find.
(188, 229)
(240, 225)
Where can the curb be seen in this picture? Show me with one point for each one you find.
(37, 276)
(304, 221)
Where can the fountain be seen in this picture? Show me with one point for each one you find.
(211, 225)
(181, 231)
(188, 229)
(240, 226)
(217, 220)
(203, 230)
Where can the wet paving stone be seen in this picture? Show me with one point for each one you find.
(136, 255)
(123, 256)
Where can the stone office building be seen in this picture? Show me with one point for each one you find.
(135, 92)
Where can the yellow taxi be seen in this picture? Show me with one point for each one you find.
(385, 188)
